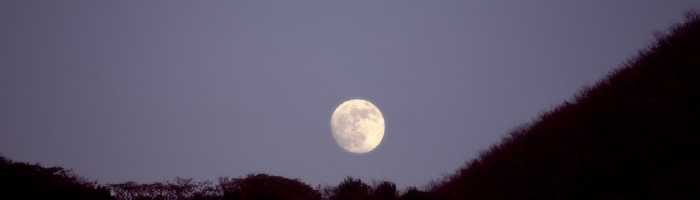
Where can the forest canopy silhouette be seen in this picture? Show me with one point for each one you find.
(633, 135)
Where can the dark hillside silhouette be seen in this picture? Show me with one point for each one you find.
(633, 135)
(26, 181)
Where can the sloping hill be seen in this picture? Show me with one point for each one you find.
(633, 135)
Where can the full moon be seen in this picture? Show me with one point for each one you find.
(358, 126)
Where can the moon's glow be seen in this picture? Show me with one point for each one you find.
(358, 126)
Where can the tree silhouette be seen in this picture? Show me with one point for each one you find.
(26, 181)
(263, 186)
(633, 135)
(351, 188)
(179, 189)
(412, 193)
(384, 190)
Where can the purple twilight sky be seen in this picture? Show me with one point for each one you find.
(151, 90)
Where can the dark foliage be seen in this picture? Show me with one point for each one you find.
(263, 186)
(634, 135)
(179, 189)
(384, 190)
(27, 181)
(413, 193)
(352, 188)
